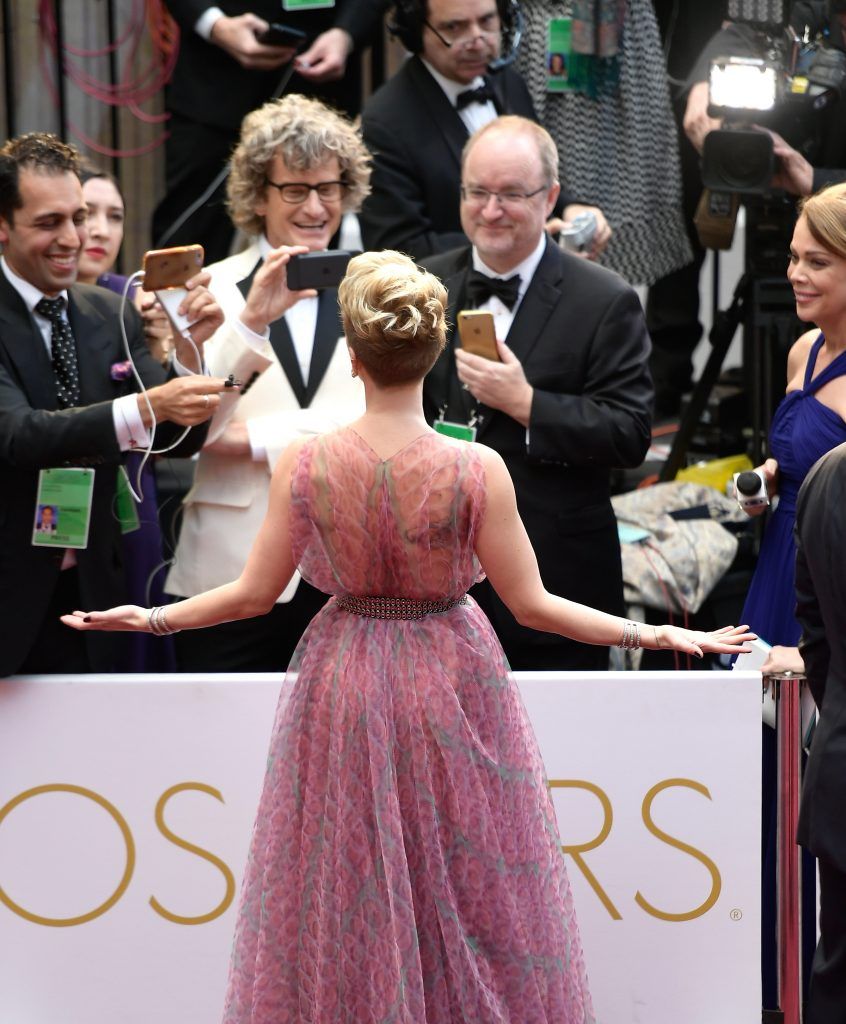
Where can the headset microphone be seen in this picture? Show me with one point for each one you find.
(513, 32)
(409, 19)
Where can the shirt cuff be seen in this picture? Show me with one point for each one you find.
(257, 342)
(204, 24)
(182, 371)
(258, 448)
(129, 427)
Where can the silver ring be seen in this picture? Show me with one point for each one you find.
(206, 399)
(465, 387)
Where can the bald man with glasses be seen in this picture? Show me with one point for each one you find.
(570, 397)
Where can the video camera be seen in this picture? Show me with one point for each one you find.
(785, 83)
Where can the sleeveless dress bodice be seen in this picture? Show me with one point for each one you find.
(802, 431)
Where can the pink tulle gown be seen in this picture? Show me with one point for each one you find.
(405, 865)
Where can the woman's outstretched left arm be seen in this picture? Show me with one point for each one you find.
(269, 568)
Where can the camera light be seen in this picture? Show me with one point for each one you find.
(743, 84)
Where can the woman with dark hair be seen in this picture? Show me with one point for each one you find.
(142, 546)
(405, 864)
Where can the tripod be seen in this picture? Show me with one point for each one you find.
(763, 302)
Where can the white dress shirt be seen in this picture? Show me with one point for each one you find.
(474, 115)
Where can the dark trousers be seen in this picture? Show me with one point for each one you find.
(826, 1002)
(262, 644)
(58, 649)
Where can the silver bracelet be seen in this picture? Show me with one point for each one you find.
(157, 621)
(630, 640)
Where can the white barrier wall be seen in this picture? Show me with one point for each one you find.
(126, 805)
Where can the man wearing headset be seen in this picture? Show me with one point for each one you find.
(416, 124)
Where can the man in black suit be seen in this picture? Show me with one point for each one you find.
(223, 72)
(60, 406)
(417, 123)
(571, 396)
(821, 611)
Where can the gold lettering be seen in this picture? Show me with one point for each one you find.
(713, 870)
(222, 907)
(67, 922)
(576, 851)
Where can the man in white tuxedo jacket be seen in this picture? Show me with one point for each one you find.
(297, 168)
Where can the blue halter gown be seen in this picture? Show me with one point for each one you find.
(802, 431)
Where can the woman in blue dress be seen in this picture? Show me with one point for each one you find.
(809, 421)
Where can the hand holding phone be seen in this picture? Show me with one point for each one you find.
(477, 333)
(318, 269)
(282, 35)
(171, 268)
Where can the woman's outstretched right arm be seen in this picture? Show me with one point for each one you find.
(507, 556)
(269, 568)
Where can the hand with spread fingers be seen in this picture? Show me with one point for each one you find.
(728, 640)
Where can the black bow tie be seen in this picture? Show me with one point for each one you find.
(481, 94)
(480, 288)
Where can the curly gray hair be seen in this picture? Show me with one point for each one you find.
(305, 133)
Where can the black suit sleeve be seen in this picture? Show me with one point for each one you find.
(608, 423)
(360, 18)
(40, 438)
(186, 12)
(813, 644)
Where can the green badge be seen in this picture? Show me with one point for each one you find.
(63, 508)
(125, 507)
(558, 55)
(460, 431)
(305, 5)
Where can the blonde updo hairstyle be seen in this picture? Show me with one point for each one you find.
(825, 215)
(393, 315)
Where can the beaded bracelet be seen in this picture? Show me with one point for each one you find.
(157, 621)
(630, 640)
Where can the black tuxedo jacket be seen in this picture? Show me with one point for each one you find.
(821, 611)
(416, 138)
(35, 435)
(212, 88)
(580, 334)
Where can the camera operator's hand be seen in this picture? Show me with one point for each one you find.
(794, 174)
(697, 121)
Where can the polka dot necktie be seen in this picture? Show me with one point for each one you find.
(63, 347)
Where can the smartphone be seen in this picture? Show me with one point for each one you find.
(282, 35)
(318, 269)
(477, 333)
(171, 268)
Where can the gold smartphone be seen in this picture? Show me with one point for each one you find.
(477, 333)
(171, 268)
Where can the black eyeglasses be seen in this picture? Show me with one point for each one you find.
(489, 25)
(511, 198)
(295, 192)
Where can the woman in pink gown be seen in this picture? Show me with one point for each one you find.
(405, 864)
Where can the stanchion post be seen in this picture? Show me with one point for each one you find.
(789, 865)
